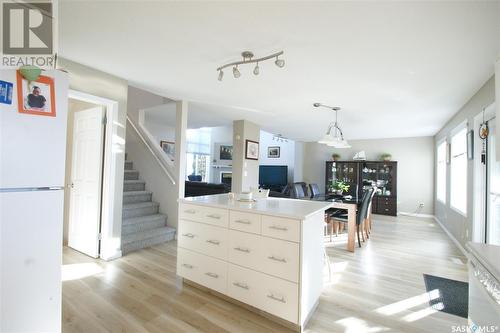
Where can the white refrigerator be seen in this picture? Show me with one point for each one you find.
(32, 167)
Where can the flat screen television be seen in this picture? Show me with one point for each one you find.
(273, 175)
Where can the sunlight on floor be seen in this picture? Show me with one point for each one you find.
(408, 303)
(417, 315)
(356, 325)
(79, 271)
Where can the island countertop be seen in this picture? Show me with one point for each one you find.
(488, 255)
(284, 207)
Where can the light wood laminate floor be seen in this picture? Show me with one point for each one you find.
(379, 288)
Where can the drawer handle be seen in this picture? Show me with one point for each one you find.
(190, 211)
(190, 235)
(278, 228)
(242, 250)
(241, 285)
(188, 266)
(243, 221)
(214, 242)
(277, 259)
(213, 275)
(279, 299)
(214, 216)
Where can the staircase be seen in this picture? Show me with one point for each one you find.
(142, 225)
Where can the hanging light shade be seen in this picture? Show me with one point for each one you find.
(334, 136)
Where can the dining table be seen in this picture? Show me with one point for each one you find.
(350, 204)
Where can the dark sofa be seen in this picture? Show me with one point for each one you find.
(195, 189)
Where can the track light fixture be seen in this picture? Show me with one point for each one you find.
(248, 59)
(236, 72)
(256, 70)
(280, 138)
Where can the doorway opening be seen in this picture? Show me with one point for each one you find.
(89, 194)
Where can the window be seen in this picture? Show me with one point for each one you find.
(458, 177)
(441, 172)
(198, 153)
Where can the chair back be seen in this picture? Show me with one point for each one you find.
(363, 210)
(368, 211)
(314, 188)
(298, 191)
(194, 178)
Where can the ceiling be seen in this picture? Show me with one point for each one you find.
(397, 69)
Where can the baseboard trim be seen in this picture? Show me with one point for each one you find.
(450, 235)
(416, 215)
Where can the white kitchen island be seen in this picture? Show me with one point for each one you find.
(268, 255)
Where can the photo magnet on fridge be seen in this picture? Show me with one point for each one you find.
(6, 89)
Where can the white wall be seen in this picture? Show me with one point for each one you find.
(245, 172)
(287, 153)
(164, 192)
(458, 225)
(415, 157)
(160, 132)
(97, 83)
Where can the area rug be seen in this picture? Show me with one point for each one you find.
(453, 297)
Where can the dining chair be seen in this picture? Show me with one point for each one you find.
(361, 214)
(368, 221)
(314, 189)
(298, 191)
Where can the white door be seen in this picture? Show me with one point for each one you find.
(85, 187)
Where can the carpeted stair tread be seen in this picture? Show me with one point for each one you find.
(142, 219)
(131, 193)
(145, 234)
(140, 205)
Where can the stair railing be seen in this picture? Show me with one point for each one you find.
(147, 144)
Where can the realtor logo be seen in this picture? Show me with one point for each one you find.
(27, 28)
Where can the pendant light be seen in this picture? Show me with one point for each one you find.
(334, 136)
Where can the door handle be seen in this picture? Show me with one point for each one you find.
(277, 259)
(279, 299)
(190, 235)
(213, 275)
(242, 250)
(278, 228)
(213, 216)
(214, 242)
(241, 285)
(243, 221)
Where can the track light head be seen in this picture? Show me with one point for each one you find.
(280, 62)
(317, 105)
(256, 70)
(236, 72)
(221, 75)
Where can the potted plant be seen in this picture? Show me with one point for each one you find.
(338, 187)
(335, 157)
(386, 157)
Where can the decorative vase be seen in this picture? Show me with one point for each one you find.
(386, 158)
(335, 158)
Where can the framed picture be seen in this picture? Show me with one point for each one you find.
(251, 150)
(169, 148)
(470, 145)
(36, 97)
(273, 152)
(225, 153)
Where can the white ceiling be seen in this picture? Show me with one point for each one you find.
(397, 69)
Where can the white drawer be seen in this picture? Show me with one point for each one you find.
(265, 292)
(203, 238)
(247, 222)
(207, 271)
(268, 255)
(280, 298)
(279, 258)
(203, 214)
(282, 228)
(244, 249)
